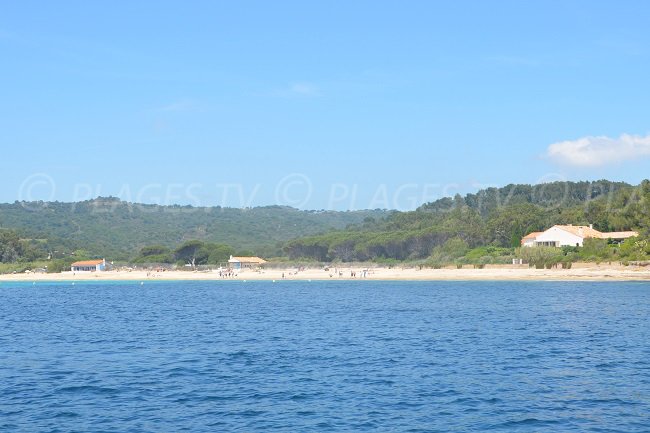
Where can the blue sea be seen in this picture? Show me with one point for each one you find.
(364, 356)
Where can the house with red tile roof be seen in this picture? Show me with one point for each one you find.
(529, 239)
(89, 266)
(570, 235)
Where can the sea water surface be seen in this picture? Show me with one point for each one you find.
(233, 356)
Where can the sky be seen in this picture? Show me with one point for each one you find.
(318, 105)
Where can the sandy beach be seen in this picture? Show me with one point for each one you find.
(579, 272)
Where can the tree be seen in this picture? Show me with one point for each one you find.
(449, 252)
(11, 248)
(189, 252)
(634, 249)
(598, 249)
(219, 253)
(155, 254)
(154, 250)
(506, 226)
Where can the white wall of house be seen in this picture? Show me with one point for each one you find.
(85, 268)
(559, 238)
(89, 268)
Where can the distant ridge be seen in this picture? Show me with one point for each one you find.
(493, 217)
(557, 194)
(110, 227)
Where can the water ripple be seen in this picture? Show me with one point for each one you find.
(325, 357)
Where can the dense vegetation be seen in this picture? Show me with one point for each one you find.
(12, 248)
(486, 227)
(481, 228)
(191, 253)
(108, 227)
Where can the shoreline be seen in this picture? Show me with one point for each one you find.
(580, 272)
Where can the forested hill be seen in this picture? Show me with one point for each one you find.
(548, 195)
(116, 229)
(495, 217)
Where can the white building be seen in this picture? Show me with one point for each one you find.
(245, 262)
(89, 266)
(570, 235)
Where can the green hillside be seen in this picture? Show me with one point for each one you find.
(483, 227)
(113, 228)
(491, 221)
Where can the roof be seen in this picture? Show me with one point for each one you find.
(247, 260)
(619, 235)
(586, 232)
(88, 263)
(532, 235)
(581, 231)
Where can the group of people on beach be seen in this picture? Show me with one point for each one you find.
(353, 273)
(157, 271)
(227, 273)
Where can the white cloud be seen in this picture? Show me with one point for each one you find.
(597, 151)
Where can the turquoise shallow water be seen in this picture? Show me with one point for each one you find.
(325, 357)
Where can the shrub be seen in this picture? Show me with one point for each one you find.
(541, 257)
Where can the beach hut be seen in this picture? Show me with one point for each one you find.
(89, 266)
(245, 262)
